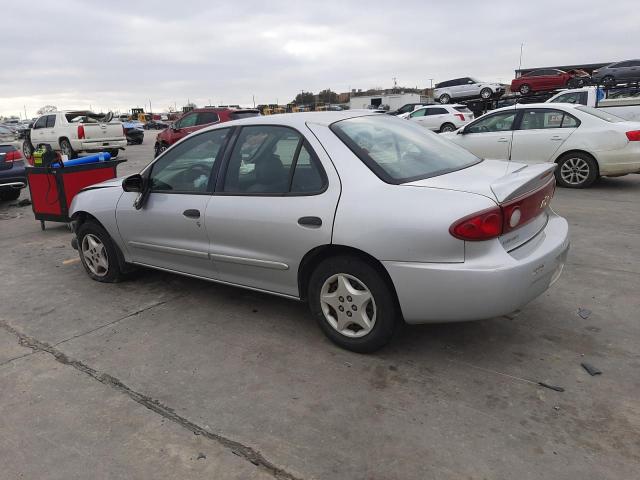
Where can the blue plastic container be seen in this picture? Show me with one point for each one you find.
(98, 157)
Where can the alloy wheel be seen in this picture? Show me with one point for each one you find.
(95, 255)
(486, 93)
(348, 305)
(574, 171)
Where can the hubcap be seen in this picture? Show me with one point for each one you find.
(95, 255)
(66, 149)
(348, 305)
(575, 171)
(485, 94)
(448, 128)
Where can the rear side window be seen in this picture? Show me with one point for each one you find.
(436, 111)
(462, 109)
(537, 119)
(607, 117)
(272, 160)
(398, 151)
(207, 117)
(51, 121)
(239, 115)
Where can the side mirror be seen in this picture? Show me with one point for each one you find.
(133, 183)
(461, 131)
(175, 128)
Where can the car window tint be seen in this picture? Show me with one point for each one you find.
(541, 119)
(437, 111)
(188, 120)
(569, 121)
(187, 167)
(41, 122)
(261, 160)
(207, 117)
(51, 121)
(308, 177)
(568, 98)
(419, 113)
(398, 151)
(498, 122)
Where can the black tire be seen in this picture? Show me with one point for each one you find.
(384, 303)
(525, 89)
(444, 98)
(9, 194)
(113, 272)
(67, 149)
(114, 153)
(608, 81)
(447, 127)
(486, 93)
(159, 148)
(27, 148)
(576, 170)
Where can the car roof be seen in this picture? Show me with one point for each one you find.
(518, 106)
(300, 119)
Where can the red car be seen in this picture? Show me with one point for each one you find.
(195, 120)
(548, 79)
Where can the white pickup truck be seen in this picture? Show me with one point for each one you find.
(617, 104)
(75, 131)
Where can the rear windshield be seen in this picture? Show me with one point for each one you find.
(463, 109)
(607, 117)
(239, 115)
(398, 151)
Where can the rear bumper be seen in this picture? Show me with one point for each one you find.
(101, 145)
(14, 177)
(491, 283)
(620, 162)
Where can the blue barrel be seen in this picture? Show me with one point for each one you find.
(98, 157)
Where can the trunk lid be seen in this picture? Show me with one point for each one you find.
(512, 185)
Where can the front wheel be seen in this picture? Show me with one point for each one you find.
(576, 170)
(159, 148)
(98, 253)
(525, 89)
(486, 93)
(353, 304)
(444, 98)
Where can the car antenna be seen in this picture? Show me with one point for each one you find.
(515, 110)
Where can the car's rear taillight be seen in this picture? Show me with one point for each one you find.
(13, 156)
(480, 226)
(460, 116)
(80, 132)
(504, 218)
(634, 136)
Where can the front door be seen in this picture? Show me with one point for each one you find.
(183, 127)
(170, 230)
(274, 202)
(488, 137)
(541, 132)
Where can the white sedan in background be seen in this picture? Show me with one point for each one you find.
(441, 118)
(585, 142)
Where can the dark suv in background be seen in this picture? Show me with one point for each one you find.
(195, 120)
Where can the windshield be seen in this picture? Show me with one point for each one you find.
(607, 117)
(398, 151)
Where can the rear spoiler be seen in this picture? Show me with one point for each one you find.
(523, 180)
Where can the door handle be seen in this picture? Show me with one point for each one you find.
(310, 221)
(503, 140)
(556, 138)
(191, 213)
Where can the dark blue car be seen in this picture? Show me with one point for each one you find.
(13, 177)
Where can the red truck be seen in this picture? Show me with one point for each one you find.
(195, 120)
(548, 79)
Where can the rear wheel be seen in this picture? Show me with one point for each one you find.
(159, 148)
(67, 149)
(447, 127)
(444, 98)
(9, 194)
(486, 93)
(27, 148)
(352, 303)
(98, 253)
(576, 170)
(525, 89)
(608, 81)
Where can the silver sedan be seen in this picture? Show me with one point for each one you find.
(369, 218)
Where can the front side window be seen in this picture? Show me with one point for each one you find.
(498, 122)
(188, 120)
(51, 121)
(398, 151)
(188, 166)
(207, 117)
(537, 119)
(419, 113)
(41, 122)
(272, 160)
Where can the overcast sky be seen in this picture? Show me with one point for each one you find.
(114, 55)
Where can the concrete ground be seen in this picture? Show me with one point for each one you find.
(169, 377)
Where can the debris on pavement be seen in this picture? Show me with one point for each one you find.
(24, 202)
(552, 387)
(591, 369)
(584, 313)
(201, 456)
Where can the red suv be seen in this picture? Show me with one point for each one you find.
(195, 120)
(548, 79)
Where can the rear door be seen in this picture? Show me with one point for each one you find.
(275, 201)
(489, 136)
(540, 133)
(170, 230)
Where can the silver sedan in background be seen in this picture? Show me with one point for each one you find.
(369, 218)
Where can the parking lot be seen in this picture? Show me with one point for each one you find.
(163, 376)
